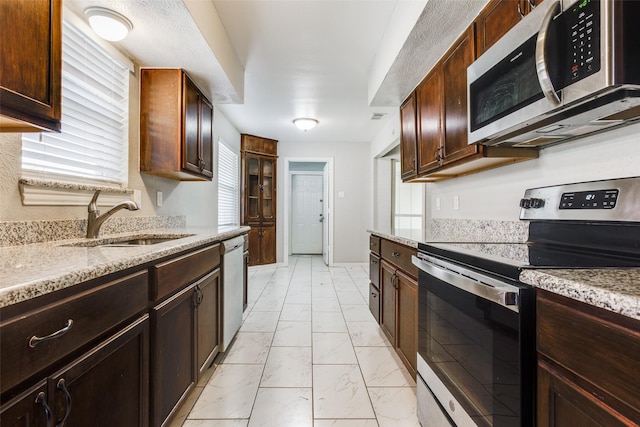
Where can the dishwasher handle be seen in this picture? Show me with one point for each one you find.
(231, 245)
(470, 281)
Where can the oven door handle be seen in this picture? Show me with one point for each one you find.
(474, 283)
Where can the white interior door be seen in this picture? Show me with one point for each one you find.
(325, 214)
(306, 214)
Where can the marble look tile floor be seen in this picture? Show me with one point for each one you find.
(309, 353)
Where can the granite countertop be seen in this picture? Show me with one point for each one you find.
(398, 238)
(28, 271)
(616, 290)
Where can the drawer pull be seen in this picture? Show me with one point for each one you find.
(395, 254)
(42, 401)
(34, 340)
(67, 400)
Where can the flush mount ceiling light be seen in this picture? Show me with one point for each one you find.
(305, 124)
(108, 24)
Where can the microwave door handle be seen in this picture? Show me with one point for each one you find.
(541, 63)
(506, 296)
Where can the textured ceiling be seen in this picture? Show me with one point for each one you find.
(300, 57)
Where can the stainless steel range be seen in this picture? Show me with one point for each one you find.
(476, 321)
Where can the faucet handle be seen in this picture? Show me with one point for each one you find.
(93, 205)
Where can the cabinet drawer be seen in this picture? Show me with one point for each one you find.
(89, 315)
(374, 269)
(399, 256)
(374, 244)
(175, 274)
(589, 342)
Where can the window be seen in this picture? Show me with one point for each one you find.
(408, 206)
(227, 186)
(93, 144)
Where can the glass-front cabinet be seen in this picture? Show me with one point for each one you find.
(258, 195)
(259, 191)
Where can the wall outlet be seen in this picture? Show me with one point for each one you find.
(456, 203)
(437, 203)
(158, 198)
(341, 194)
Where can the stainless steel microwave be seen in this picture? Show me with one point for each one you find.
(568, 69)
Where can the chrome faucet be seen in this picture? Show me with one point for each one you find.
(95, 220)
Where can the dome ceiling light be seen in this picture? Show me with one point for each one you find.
(108, 24)
(305, 124)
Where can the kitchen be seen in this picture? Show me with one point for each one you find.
(492, 195)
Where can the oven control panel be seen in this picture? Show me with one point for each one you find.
(600, 199)
(606, 200)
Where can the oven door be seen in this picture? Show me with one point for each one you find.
(476, 344)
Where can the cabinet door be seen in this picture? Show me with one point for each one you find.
(498, 17)
(31, 408)
(173, 359)
(388, 304)
(561, 403)
(255, 248)
(454, 77)
(268, 189)
(31, 65)
(109, 385)
(408, 138)
(407, 308)
(429, 114)
(268, 245)
(252, 193)
(208, 296)
(191, 127)
(374, 302)
(206, 137)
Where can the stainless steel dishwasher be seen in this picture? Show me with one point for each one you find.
(232, 288)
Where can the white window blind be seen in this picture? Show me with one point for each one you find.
(93, 144)
(227, 186)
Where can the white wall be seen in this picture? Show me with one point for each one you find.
(351, 213)
(196, 200)
(495, 194)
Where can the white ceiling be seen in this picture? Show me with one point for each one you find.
(338, 61)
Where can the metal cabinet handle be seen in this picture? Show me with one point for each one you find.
(532, 4)
(520, 9)
(475, 283)
(34, 340)
(67, 398)
(541, 61)
(199, 296)
(395, 254)
(42, 400)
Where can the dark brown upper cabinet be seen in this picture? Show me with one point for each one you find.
(176, 126)
(409, 163)
(30, 65)
(498, 17)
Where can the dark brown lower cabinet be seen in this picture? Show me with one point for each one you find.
(399, 312)
(208, 325)
(374, 301)
(173, 359)
(588, 365)
(388, 303)
(107, 386)
(262, 245)
(245, 280)
(407, 319)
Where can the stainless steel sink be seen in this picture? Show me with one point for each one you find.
(139, 240)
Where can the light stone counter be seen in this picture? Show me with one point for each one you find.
(407, 241)
(31, 270)
(616, 290)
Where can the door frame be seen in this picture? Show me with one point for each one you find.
(287, 202)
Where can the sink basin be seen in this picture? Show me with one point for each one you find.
(139, 240)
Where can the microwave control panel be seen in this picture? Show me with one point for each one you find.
(582, 22)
